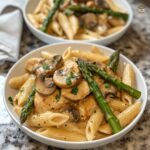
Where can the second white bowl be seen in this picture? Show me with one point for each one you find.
(30, 6)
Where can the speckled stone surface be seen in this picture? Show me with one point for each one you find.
(136, 45)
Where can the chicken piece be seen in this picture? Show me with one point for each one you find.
(86, 107)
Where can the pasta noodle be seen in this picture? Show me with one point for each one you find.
(17, 82)
(128, 77)
(25, 90)
(61, 134)
(125, 117)
(93, 124)
(118, 105)
(47, 119)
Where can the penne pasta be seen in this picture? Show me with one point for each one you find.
(25, 90)
(74, 23)
(33, 21)
(18, 109)
(47, 119)
(93, 124)
(61, 134)
(128, 78)
(96, 50)
(17, 82)
(114, 6)
(85, 55)
(117, 105)
(55, 26)
(124, 117)
(73, 127)
(39, 6)
(46, 55)
(66, 26)
(114, 30)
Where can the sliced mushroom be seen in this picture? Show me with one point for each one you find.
(89, 20)
(48, 66)
(108, 90)
(45, 86)
(67, 76)
(77, 93)
(73, 112)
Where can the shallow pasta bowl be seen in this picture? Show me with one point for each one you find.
(30, 6)
(18, 69)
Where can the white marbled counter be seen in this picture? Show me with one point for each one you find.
(136, 45)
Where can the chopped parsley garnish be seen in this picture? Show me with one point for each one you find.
(57, 97)
(107, 85)
(74, 90)
(45, 66)
(68, 79)
(10, 99)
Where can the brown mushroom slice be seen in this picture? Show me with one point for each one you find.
(77, 93)
(67, 76)
(45, 86)
(48, 66)
(90, 20)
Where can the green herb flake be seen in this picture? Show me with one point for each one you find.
(10, 99)
(45, 66)
(107, 85)
(74, 90)
(57, 97)
(68, 79)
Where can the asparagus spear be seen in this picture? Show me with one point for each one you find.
(114, 60)
(117, 83)
(110, 117)
(27, 108)
(51, 13)
(85, 9)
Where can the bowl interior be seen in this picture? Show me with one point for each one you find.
(18, 69)
(31, 5)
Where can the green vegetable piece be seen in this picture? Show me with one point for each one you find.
(114, 81)
(74, 90)
(45, 66)
(57, 97)
(107, 85)
(27, 108)
(10, 99)
(110, 117)
(84, 9)
(51, 13)
(114, 60)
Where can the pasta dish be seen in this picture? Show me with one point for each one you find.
(78, 19)
(79, 96)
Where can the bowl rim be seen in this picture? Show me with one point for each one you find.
(126, 26)
(106, 139)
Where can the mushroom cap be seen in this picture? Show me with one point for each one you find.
(67, 76)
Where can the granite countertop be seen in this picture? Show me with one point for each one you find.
(136, 46)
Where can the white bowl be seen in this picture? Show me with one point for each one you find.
(30, 6)
(18, 69)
